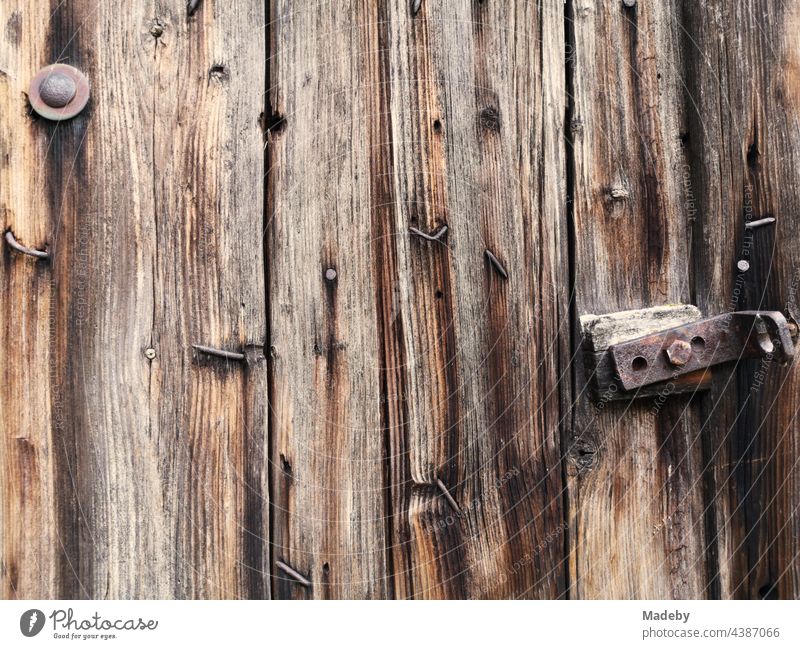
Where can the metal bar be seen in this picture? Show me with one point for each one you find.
(698, 345)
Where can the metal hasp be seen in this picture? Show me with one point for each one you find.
(699, 345)
(59, 92)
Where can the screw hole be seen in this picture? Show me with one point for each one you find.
(639, 363)
(698, 345)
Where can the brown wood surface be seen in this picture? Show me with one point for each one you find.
(635, 468)
(743, 72)
(410, 420)
(126, 477)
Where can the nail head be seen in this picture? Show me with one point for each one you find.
(330, 274)
(150, 353)
(743, 265)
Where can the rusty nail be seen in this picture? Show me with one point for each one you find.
(415, 5)
(743, 265)
(212, 351)
(59, 92)
(679, 353)
(16, 245)
(429, 237)
(495, 262)
(750, 225)
(448, 495)
(292, 573)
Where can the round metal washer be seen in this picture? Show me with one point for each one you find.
(74, 106)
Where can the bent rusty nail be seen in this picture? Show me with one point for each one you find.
(750, 225)
(447, 495)
(212, 351)
(428, 237)
(495, 262)
(16, 245)
(292, 573)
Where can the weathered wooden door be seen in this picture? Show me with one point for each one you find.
(307, 325)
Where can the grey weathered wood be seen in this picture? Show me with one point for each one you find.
(634, 468)
(140, 477)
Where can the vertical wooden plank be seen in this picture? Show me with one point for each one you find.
(209, 289)
(154, 206)
(477, 107)
(743, 74)
(327, 445)
(30, 544)
(635, 473)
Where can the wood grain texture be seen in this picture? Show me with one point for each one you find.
(744, 79)
(634, 469)
(31, 546)
(418, 364)
(411, 419)
(327, 448)
(152, 202)
(477, 106)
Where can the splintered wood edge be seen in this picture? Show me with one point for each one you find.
(603, 331)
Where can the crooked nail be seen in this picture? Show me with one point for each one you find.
(192, 7)
(428, 237)
(303, 581)
(495, 262)
(16, 245)
(212, 351)
(750, 225)
(447, 495)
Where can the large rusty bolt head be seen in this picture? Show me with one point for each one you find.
(679, 353)
(58, 92)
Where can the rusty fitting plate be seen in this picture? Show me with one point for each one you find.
(699, 345)
(59, 92)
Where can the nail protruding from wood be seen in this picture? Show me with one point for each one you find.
(429, 237)
(495, 262)
(303, 581)
(415, 7)
(16, 245)
(221, 353)
(448, 495)
(192, 7)
(751, 225)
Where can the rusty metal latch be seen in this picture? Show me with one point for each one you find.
(698, 345)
